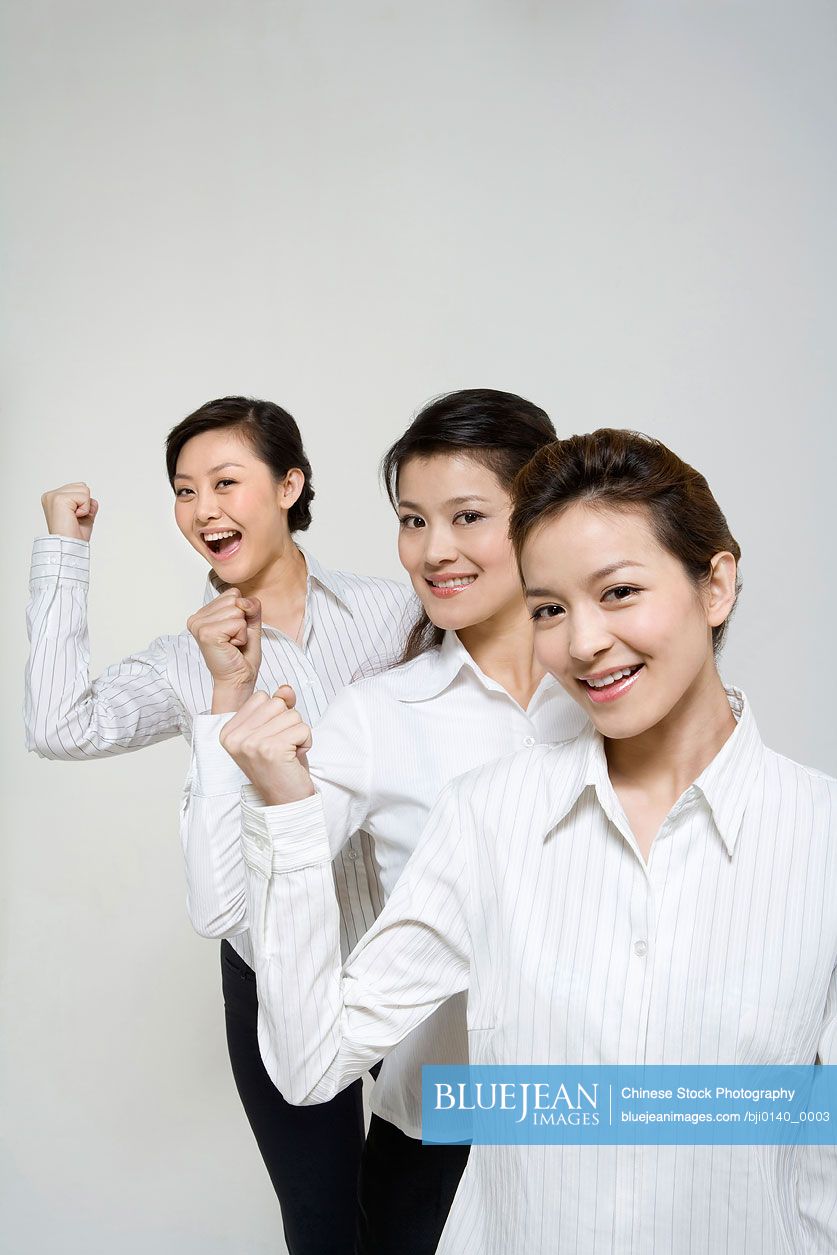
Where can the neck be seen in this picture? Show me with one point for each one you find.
(280, 586)
(669, 757)
(502, 648)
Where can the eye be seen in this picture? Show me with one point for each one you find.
(467, 516)
(410, 522)
(620, 593)
(223, 482)
(180, 491)
(542, 613)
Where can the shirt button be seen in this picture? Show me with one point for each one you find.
(640, 948)
(352, 854)
(528, 741)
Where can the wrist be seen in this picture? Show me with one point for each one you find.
(275, 794)
(227, 697)
(70, 531)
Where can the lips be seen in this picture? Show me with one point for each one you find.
(222, 543)
(607, 686)
(449, 585)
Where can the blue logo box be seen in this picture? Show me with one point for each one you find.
(664, 1105)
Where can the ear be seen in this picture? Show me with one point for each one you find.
(720, 592)
(290, 489)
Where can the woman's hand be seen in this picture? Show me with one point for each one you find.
(268, 740)
(70, 511)
(229, 634)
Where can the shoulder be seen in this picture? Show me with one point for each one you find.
(783, 775)
(519, 788)
(384, 687)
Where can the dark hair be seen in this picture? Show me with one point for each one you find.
(498, 429)
(613, 467)
(270, 431)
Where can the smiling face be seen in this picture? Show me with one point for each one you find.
(453, 539)
(617, 619)
(229, 506)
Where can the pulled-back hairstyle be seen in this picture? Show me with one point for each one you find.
(269, 430)
(612, 467)
(498, 429)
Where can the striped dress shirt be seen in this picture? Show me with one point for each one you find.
(528, 889)
(352, 624)
(380, 758)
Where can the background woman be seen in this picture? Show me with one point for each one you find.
(661, 890)
(242, 485)
(469, 692)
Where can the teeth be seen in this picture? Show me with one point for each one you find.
(610, 679)
(218, 535)
(462, 583)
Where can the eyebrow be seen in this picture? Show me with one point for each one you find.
(413, 505)
(594, 578)
(212, 470)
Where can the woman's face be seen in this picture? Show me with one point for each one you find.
(617, 620)
(453, 539)
(222, 487)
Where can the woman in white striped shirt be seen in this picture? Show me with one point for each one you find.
(470, 692)
(661, 890)
(243, 489)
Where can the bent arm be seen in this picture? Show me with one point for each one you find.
(68, 715)
(210, 814)
(210, 834)
(322, 1025)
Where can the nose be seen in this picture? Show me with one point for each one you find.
(588, 636)
(206, 508)
(439, 546)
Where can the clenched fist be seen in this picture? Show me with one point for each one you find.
(229, 634)
(70, 511)
(268, 739)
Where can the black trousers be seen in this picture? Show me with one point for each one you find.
(312, 1153)
(406, 1191)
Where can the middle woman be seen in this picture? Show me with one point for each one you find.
(468, 692)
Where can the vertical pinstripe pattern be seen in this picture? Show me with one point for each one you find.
(380, 757)
(352, 623)
(528, 890)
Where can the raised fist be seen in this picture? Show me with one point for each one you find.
(229, 634)
(70, 511)
(268, 739)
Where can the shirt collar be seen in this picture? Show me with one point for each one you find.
(331, 581)
(726, 783)
(432, 672)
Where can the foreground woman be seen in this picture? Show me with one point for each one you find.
(242, 489)
(470, 692)
(662, 890)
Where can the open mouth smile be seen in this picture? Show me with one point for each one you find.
(223, 543)
(607, 686)
(450, 585)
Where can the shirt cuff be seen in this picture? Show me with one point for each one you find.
(287, 838)
(60, 557)
(215, 773)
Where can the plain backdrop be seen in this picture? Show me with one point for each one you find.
(623, 211)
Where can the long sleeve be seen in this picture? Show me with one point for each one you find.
(210, 834)
(68, 715)
(210, 815)
(320, 1025)
(818, 1169)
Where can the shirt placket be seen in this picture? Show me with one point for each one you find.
(656, 955)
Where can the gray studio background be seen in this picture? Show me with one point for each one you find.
(624, 211)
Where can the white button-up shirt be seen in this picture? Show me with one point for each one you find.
(352, 624)
(528, 889)
(380, 757)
